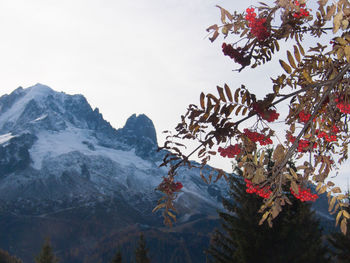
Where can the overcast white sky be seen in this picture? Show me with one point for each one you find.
(125, 57)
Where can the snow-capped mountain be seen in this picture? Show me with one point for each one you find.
(54, 146)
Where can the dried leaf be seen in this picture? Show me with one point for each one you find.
(172, 215)
(332, 203)
(202, 100)
(296, 53)
(337, 21)
(338, 217)
(347, 53)
(228, 93)
(237, 94)
(263, 218)
(336, 190)
(158, 207)
(221, 93)
(291, 60)
(295, 187)
(285, 66)
(330, 12)
(346, 214)
(238, 109)
(343, 226)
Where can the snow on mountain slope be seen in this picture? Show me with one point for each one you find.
(54, 146)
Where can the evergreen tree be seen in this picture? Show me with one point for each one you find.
(141, 251)
(341, 243)
(5, 257)
(294, 237)
(117, 257)
(46, 254)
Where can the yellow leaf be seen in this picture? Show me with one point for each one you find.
(285, 66)
(343, 226)
(347, 53)
(322, 190)
(330, 184)
(337, 21)
(263, 218)
(338, 217)
(332, 203)
(158, 207)
(307, 76)
(344, 24)
(336, 190)
(172, 215)
(346, 214)
(318, 186)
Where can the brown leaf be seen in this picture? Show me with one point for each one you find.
(278, 154)
(202, 100)
(214, 36)
(285, 66)
(228, 93)
(295, 187)
(291, 60)
(296, 53)
(330, 12)
(221, 93)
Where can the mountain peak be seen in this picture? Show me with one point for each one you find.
(141, 126)
(139, 132)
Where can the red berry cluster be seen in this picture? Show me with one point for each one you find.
(331, 137)
(238, 55)
(268, 115)
(264, 192)
(257, 25)
(343, 106)
(303, 145)
(304, 117)
(304, 195)
(168, 186)
(257, 137)
(230, 152)
(303, 11)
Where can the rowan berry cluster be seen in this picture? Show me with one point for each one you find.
(257, 137)
(257, 25)
(264, 192)
(343, 106)
(268, 115)
(304, 117)
(302, 12)
(230, 152)
(304, 195)
(330, 137)
(238, 55)
(303, 145)
(168, 186)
